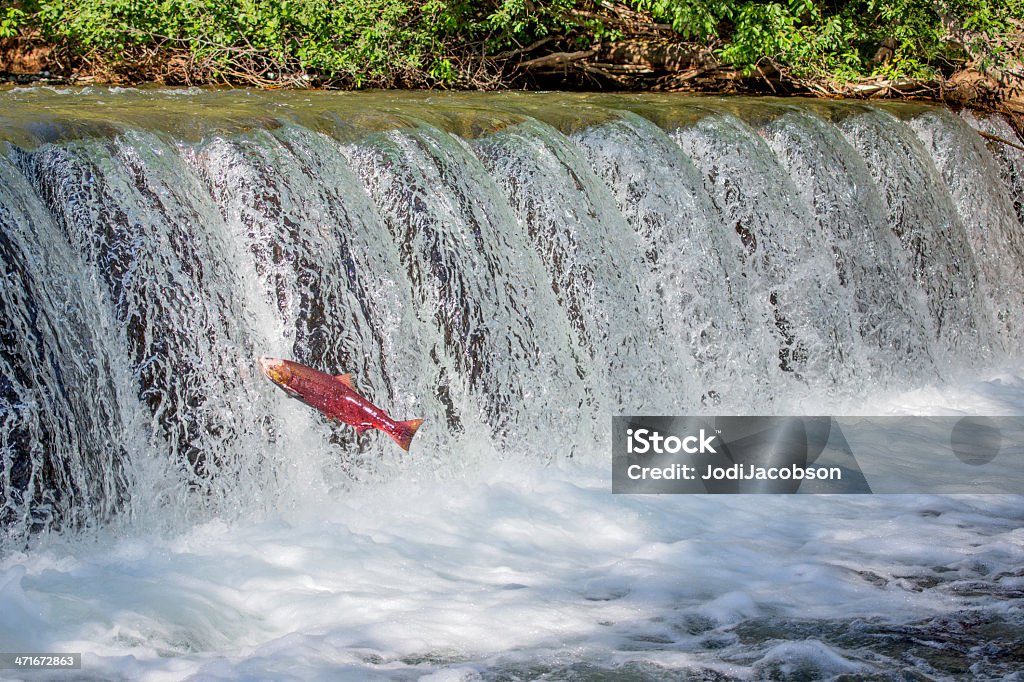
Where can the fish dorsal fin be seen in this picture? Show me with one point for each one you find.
(346, 379)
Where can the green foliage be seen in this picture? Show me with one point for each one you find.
(11, 21)
(357, 43)
(505, 24)
(692, 20)
(840, 39)
(443, 42)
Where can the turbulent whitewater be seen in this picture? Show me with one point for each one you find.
(516, 270)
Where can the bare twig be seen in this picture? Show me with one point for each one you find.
(765, 78)
(507, 54)
(996, 138)
(556, 59)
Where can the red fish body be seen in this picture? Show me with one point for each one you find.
(336, 398)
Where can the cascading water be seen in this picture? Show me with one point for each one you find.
(508, 282)
(1008, 154)
(513, 269)
(921, 213)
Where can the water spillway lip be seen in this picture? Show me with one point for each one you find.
(194, 114)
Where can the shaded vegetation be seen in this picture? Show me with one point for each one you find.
(667, 44)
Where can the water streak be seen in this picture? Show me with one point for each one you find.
(515, 270)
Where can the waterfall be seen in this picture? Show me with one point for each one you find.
(515, 270)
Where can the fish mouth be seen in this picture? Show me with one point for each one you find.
(275, 369)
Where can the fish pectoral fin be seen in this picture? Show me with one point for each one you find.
(363, 427)
(346, 379)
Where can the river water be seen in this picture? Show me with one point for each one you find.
(515, 269)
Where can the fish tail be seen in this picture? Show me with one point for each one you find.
(404, 431)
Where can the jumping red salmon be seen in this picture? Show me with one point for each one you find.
(336, 397)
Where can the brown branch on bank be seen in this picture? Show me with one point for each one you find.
(508, 54)
(996, 138)
(556, 59)
(764, 76)
(599, 70)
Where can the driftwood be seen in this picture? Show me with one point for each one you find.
(654, 63)
(556, 59)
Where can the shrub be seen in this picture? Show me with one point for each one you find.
(458, 42)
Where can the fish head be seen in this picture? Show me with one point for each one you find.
(279, 372)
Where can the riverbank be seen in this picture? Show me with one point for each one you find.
(38, 65)
(960, 53)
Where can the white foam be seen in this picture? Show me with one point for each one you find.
(513, 564)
